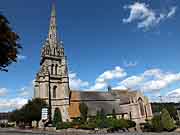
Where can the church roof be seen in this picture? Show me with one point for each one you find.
(100, 96)
(96, 100)
(91, 96)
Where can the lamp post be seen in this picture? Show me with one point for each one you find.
(50, 107)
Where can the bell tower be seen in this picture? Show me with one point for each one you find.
(53, 73)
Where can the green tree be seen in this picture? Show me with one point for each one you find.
(101, 120)
(102, 114)
(83, 112)
(9, 46)
(166, 120)
(57, 119)
(114, 113)
(33, 109)
(156, 123)
(29, 112)
(171, 107)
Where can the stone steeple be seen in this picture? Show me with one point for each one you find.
(53, 71)
(53, 46)
(53, 39)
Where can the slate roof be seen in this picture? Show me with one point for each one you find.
(91, 96)
(99, 100)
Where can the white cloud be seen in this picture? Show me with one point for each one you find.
(25, 91)
(3, 91)
(172, 12)
(145, 16)
(116, 73)
(76, 83)
(99, 86)
(157, 73)
(120, 87)
(173, 96)
(154, 85)
(151, 80)
(132, 82)
(21, 57)
(10, 104)
(161, 81)
(174, 93)
(102, 81)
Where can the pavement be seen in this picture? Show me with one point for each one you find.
(10, 131)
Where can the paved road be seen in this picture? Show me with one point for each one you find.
(24, 132)
(30, 132)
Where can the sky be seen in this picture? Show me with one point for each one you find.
(131, 44)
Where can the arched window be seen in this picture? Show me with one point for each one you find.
(52, 68)
(54, 91)
(56, 68)
(141, 104)
(54, 51)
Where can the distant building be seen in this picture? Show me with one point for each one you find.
(4, 118)
(53, 75)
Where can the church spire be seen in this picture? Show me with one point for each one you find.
(52, 36)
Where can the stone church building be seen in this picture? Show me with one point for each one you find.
(53, 76)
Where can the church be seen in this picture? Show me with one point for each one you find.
(53, 77)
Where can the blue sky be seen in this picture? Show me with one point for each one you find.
(119, 43)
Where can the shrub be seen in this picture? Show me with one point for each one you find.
(57, 120)
(117, 123)
(156, 123)
(77, 121)
(131, 123)
(64, 125)
(83, 112)
(146, 127)
(166, 121)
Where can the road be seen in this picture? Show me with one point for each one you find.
(24, 132)
(30, 132)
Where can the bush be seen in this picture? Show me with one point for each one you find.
(64, 125)
(163, 122)
(118, 123)
(156, 123)
(131, 123)
(77, 121)
(83, 112)
(57, 119)
(146, 127)
(166, 121)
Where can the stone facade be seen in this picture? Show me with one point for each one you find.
(53, 77)
(127, 104)
(53, 74)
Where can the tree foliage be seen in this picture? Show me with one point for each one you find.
(29, 112)
(57, 119)
(171, 108)
(166, 120)
(163, 121)
(9, 46)
(83, 112)
(114, 113)
(156, 123)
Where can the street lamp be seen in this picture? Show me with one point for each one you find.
(49, 107)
